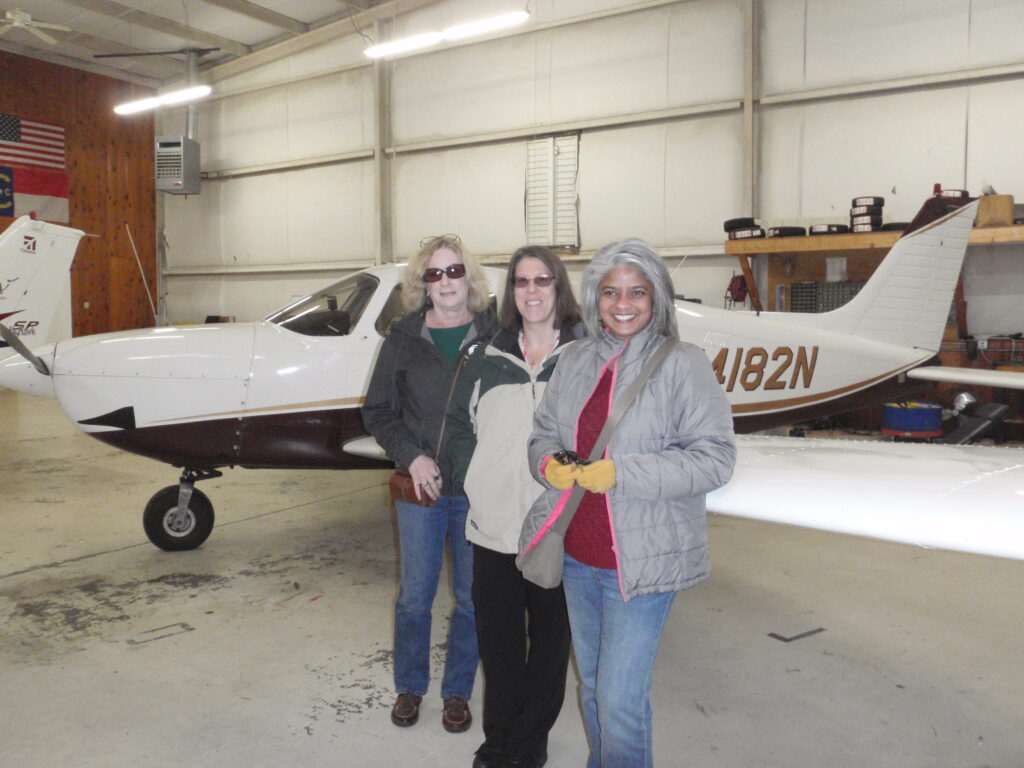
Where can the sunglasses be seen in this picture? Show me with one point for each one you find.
(454, 271)
(541, 281)
(447, 238)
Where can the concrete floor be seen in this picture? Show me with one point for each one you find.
(269, 646)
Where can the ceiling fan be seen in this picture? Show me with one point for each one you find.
(21, 20)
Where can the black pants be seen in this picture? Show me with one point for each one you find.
(523, 633)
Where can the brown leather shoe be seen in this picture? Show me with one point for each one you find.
(456, 717)
(406, 710)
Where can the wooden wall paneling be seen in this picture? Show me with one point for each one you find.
(110, 182)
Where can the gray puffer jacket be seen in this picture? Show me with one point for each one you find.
(673, 445)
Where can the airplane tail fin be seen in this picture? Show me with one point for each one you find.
(907, 299)
(35, 264)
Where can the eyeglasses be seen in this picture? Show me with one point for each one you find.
(454, 271)
(432, 239)
(541, 281)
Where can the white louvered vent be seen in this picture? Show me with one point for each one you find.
(551, 170)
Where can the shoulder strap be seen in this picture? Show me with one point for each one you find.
(444, 421)
(626, 398)
(618, 409)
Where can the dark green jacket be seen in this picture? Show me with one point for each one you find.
(405, 401)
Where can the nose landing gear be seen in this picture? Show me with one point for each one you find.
(180, 517)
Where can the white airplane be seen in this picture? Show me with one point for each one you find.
(35, 263)
(285, 392)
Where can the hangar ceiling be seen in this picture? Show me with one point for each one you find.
(238, 28)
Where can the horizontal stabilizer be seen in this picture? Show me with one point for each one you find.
(977, 376)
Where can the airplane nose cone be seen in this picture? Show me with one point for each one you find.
(18, 373)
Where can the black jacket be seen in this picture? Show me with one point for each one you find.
(405, 402)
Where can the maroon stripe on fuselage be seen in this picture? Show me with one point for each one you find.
(883, 392)
(300, 440)
(313, 439)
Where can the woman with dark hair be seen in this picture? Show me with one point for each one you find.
(447, 296)
(523, 629)
(639, 535)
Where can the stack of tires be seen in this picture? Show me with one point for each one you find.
(866, 214)
(743, 228)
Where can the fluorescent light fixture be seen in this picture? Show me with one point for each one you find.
(404, 44)
(172, 97)
(484, 26)
(458, 32)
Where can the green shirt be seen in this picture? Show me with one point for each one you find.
(449, 340)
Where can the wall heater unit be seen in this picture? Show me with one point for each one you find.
(177, 165)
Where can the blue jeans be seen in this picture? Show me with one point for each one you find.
(615, 643)
(422, 532)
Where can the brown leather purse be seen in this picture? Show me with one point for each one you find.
(400, 484)
(403, 488)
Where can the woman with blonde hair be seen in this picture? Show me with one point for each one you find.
(446, 294)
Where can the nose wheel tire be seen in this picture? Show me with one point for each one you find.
(174, 530)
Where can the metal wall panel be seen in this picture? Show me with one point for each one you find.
(893, 145)
(465, 91)
(310, 215)
(836, 42)
(311, 118)
(995, 116)
(671, 184)
(475, 192)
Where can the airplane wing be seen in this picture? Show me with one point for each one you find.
(979, 376)
(965, 498)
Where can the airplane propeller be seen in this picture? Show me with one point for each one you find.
(19, 346)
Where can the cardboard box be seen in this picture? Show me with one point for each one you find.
(995, 211)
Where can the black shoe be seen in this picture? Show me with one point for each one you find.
(526, 761)
(489, 757)
(406, 710)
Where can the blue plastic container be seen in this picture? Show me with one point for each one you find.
(912, 417)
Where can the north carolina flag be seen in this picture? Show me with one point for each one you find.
(32, 171)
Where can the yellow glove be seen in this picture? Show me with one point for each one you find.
(598, 476)
(560, 476)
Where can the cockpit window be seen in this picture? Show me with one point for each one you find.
(393, 309)
(334, 311)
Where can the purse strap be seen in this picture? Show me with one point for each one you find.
(618, 409)
(448, 402)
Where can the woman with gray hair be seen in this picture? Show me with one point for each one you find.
(639, 535)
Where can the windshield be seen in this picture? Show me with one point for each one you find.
(333, 311)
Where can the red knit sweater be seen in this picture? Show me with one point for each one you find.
(589, 537)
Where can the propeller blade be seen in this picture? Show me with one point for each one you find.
(41, 35)
(47, 25)
(19, 346)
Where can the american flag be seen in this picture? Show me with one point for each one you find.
(30, 144)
